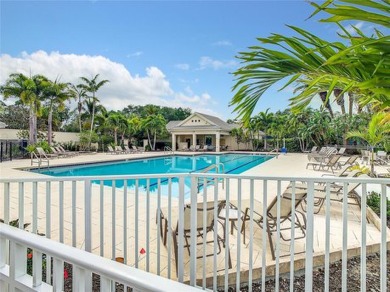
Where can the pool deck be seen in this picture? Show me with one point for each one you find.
(285, 165)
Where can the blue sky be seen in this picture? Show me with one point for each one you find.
(173, 53)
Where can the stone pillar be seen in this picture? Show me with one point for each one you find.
(194, 139)
(217, 142)
(173, 142)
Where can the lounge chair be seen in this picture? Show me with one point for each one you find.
(350, 161)
(45, 155)
(119, 149)
(323, 156)
(313, 150)
(112, 151)
(58, 153)
(127, 149)
(341, 151)
(137, 149)
(205, 148)
(322, 151)
(272, 219)
(366, 156)
(332, 164)
(209, 227)
(69, 153)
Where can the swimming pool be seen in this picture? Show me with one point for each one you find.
(232, 164)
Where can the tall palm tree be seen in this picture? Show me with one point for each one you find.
(29, 91)
(55, 94)
(92, 86)
(377, 132)
(79, 94)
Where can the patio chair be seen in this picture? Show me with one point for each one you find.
(56, 151)
(42, 154)
(209, 224)
(366, 156)
(350, 161)
(271, 221)
(119, 149)
(205, 148)
(341, 151)
(323, 156)
(111, 150)
(338, 194)
(127, 149)
(69, 153)
(322, 151)
(313, 150)
(332, 164)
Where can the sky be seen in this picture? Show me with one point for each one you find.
(168, 53)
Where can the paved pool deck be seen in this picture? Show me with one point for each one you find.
(161, 258)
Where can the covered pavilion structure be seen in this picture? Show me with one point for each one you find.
(200, 131)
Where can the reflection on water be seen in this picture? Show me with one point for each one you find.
(233, 164)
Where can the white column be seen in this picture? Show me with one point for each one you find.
(217, 141)
(194, 139)
(173, 142)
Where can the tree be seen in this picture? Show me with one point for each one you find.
(238, 134)
(264, 121)
(29, 91)
(78, 93)
(92, 86)
(377, 132)
(315, 65)
(117, 122)
(55, 94)
(153, 124)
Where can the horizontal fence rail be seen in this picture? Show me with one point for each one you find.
(239, 230)
(39, 250)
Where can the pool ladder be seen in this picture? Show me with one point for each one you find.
(168, 149)
(276, 150)
(215, 166)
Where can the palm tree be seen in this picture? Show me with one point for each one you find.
(117, 122)
(92, 86)
(314, 65)
(153, 124)
(29, 91)
(56, 93)
(265, 119)
(79, 94)
(377, 132)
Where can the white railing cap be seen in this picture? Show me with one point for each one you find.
(138, 279)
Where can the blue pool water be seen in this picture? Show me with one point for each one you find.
(233, 164)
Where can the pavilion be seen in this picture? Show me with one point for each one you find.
(201, 129)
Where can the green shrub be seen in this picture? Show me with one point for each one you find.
(374, 202)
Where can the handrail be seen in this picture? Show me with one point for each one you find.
(216, 167)
(109, 271)
(38, 160)
(276, 150)
(168, 149)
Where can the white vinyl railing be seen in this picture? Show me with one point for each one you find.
(111, 274)
(120, 216)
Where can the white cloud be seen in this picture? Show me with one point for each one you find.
(208, 62)
(182, 66)
(123, 88)
(135, 54)
(367, 29)
(223, 43)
